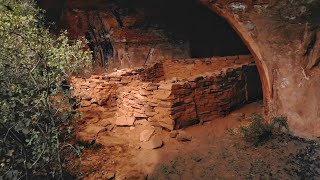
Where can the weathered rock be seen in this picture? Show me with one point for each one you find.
(174, 134)
(104, 122)
(144, 92)
(85, 103)
(124, 121)
(154, 143)
(150, 114)
(151, 88)
(110, 175)
(110, 127)
(94, 129)
(85, 137)
(183, 136)
(139, 115)
(145, 135)
(142, 122)
(166, 86)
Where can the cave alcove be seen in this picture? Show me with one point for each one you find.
(207, 33)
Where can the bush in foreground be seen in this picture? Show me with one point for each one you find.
(32, 101)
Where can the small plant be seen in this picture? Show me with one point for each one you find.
(281, 122)
(242, 117)
(257, 131)
(230, 131)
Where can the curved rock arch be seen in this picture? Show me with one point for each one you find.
(244, 34)
(281, 39)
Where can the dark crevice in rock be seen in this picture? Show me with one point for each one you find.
(99, 43)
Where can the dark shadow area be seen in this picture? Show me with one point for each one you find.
(188, 21)
(254, 86)
(53, 10)
(207, 33)
(101, 48)
(315, 14)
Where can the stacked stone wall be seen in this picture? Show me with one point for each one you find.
(175, 93)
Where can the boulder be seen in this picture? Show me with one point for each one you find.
(174, 134)
(110, 175)
(183, 136)
(145, 135)
(154, 143)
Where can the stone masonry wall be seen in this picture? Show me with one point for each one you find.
(191, 91)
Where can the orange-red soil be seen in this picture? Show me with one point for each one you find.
(216, 151)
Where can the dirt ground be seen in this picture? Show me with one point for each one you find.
(216, 151)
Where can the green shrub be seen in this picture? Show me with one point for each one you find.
(259, 130)
(33, 104)
(280, 122)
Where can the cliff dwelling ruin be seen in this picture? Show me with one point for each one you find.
(163, 66)
(173, 66)
(281, 36)
(159, 89)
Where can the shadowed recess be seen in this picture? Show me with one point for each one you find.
(208, 33)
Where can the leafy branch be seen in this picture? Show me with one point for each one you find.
(33, 65)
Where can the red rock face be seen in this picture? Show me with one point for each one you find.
(114, 37)
(126, 34)
(282, 36)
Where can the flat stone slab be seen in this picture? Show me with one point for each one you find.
(145, 135)
(154, 143)
(124, 121)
